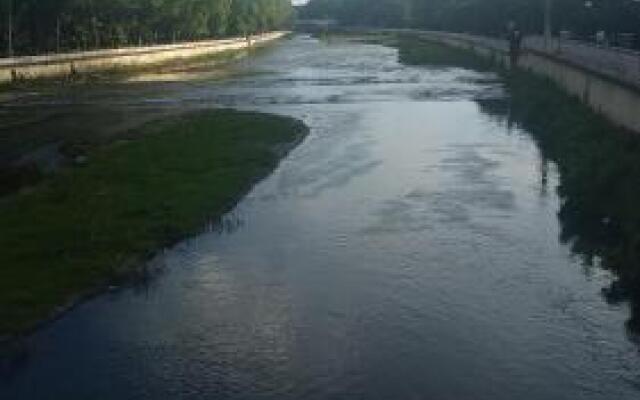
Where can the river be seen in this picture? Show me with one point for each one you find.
(408, 249)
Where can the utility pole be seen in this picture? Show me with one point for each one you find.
(10, 33)
(547, 23)
(58, 35)
(96, 34)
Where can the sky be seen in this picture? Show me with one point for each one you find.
(298, 2)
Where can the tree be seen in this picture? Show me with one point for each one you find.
(482, 16)
(35, 26)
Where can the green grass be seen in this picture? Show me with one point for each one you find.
(90, 226)
(417, 51)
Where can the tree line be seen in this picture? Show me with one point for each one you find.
(38, 26)
(581, 17)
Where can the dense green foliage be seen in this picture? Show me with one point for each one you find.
(482, 16)
(45, 25)
(87, 226)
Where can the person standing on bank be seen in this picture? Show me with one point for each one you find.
(515, 44)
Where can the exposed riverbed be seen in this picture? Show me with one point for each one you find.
(408, 249)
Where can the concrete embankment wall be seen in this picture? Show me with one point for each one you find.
(59, 65)
(615, 99)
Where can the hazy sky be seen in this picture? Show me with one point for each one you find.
(298, 2)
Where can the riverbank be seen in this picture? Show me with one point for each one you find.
(36, 143)
(71, 65)
(93, 225)
(611, 92)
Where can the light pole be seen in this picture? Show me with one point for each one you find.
(547, 23)
(588, 4)
(10, 33)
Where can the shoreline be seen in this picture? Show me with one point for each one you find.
(71, 65)
(133, 268)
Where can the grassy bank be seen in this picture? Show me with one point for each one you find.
(417, 51)
(87, 227)
(599, 167)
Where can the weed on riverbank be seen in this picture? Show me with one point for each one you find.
(417, 51)
(89, 226)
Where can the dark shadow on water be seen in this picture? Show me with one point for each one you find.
(599, 189)
(14, 358)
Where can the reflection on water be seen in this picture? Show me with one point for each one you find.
(407, 249)
(599, 193)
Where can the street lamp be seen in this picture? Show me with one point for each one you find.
(547, 23)
(588, 4)
(10, 30)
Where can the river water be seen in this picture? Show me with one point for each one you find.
(408, 249)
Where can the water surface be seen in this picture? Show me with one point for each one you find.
(408, 249)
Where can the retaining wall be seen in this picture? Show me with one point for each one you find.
(59, 65)
(615, 97)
